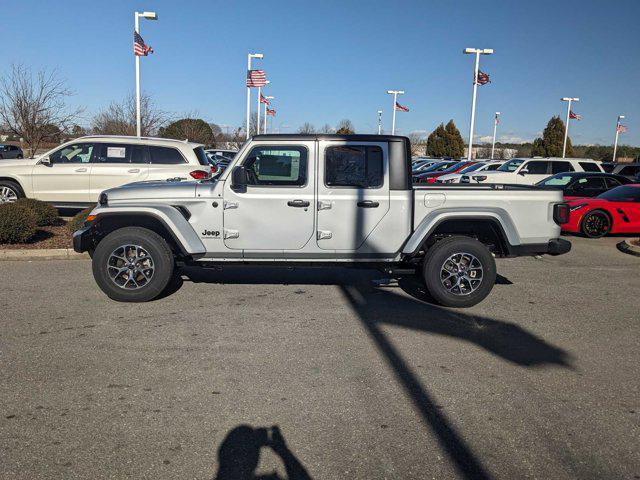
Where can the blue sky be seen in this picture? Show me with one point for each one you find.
(331, 60)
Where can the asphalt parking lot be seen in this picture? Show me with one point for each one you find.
(363, 381)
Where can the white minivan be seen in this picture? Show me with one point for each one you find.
(529, 171)
(75, 173)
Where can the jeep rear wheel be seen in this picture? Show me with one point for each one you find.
(459, 271)
(133, 264)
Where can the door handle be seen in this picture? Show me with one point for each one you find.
(298, 203)
(368, 204)
(80, 170)
(134, 170)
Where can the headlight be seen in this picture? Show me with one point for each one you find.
(577, 207)
(480, 178)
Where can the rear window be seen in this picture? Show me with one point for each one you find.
(203, 159)
(589, 166)
(353, 166)
(166, 156)
(630, 170)
(624, 193)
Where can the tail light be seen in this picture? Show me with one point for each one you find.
(431, 180)
(561, 213)
(214, 169)
(200, 174)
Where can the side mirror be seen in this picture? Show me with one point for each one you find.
(46, 161)
(239, 178)
(524, 171)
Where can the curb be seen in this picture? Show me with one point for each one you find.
(626, 247)
(41, 254)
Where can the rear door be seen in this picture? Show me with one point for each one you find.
(66, 178)
(353, 192)
(275, 212)
(116, 164)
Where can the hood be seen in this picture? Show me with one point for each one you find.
(18, 162)
(153, 190)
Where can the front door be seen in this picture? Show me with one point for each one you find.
(66, 178)
(276, 210)
(353, 193)
(117, 164)
(532, 172)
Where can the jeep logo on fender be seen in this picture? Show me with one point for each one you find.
(211, 233)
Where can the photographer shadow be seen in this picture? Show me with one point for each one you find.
(239, 455)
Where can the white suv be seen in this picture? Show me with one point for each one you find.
(529, 171)
(75, 173)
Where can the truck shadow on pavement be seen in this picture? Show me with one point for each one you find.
(239, 455)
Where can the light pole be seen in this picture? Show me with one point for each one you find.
(266, 117)
(495, 127)
(148, 16)
(615, 144)
(569, 100)
(249, 57)
(395, 94)
(380, 121)
(477, 52)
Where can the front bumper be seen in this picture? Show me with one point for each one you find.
(83, 239)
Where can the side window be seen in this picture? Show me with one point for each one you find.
(165, 156)
(492, 167)
(612, 182)
(561, 167)
(74, 153)
(353, 166)
(536, 167)
(277, 166)
(589, 183)
(630, 170)
(589, 166)
(119, 153)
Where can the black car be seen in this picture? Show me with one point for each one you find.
(10, 151)
(583, 184)
(629, 170)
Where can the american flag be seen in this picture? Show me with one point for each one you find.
(263, 99)
(139, 47)
(483, 78)
(256, 78)
(574, 116)
(621, 128)
(271, 111)
(401, 108)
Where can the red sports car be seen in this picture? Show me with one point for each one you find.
(614, 211)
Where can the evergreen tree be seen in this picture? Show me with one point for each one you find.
(445, 142)
(550, 145)
(345, 127)
(455, 144)
(193, 129)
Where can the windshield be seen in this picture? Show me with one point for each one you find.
(624, 193)
(202, 156)
(511, 165)
(472, 168)
(557, 180)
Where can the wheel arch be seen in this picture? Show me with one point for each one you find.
(593, 210)
(13, 180)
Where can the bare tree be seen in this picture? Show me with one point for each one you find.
(120, 118)
(345, 127)
(306, 127)
(326, 128)
(418, 143)
(31, 105)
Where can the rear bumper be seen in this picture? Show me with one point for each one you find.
(555, 246)
(83, 239)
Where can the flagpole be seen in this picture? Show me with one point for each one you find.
(495, 127)
(566, 127)
(266, 106)
(380, 121)
(138, 120)
(478, 52)
(615, 144)
(395, 94)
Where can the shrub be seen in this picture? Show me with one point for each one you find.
(77, 222)
(17, 223)
(45, 214)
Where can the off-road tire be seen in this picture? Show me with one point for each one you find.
(434, 266)
(149, 241)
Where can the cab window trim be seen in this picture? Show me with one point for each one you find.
(356, 187)
(281, 147)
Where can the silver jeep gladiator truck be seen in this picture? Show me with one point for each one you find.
(318, 200)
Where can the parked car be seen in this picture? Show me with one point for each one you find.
(614, 211)
(481, 166)
(10, 151)
(629, 170)
(583, 184)
(608, 166)
(330, 199)
(431, 177)
(74, 174)
(423, 165)
(436, 167)
(529, 171)
(222, 152)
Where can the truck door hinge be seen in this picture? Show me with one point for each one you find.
(231, 233)
(228, 205)
(324, 234)
(324, 204)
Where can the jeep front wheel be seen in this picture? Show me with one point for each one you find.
(133, 264)
(459, 271)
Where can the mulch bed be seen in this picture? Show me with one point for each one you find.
(46, 237)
